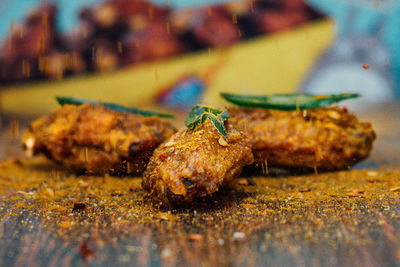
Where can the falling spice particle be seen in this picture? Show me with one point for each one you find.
(14, 128)
(119, 47)
(94, 56)
(234, 19)
(276, 43)
(26, 69)
(151, 12)
(366, 67)
(86, 154)
(21, 32)
(156, 74)
(136, 42)
(315, 170)
(84, 33)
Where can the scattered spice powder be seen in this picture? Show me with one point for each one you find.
(275, 211)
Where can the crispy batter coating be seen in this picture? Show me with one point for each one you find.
(195, 163)
(96, 139)
(327, 138)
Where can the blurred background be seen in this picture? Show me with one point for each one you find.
(171, 54)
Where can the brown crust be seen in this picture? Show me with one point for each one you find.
(326, 138)
(96, 139)
(195, 163)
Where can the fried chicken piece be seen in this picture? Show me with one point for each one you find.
(116, 13)
(151, 43)
(278, 21)
(205, 27)
(326, 138)
(195, 163)
(217, 30)
(97, 139)
(26, 43)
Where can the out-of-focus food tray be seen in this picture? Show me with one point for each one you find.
(269, 64)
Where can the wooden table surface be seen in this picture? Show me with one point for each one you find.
(347, 218)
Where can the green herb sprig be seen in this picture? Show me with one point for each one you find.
(199, 113)
(65, 100)
(286, 101)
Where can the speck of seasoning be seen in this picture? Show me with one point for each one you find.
(222, 141)
(239, 235)
(166, 253)
(195, 237)
(366, 67)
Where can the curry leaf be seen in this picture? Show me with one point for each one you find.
(65, 100)
(286, 101)
(200, 113)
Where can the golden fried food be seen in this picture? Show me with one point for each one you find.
(195, 163)
(325, 138)
(96, 139)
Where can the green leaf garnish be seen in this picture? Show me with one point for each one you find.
(65, 100)
(286, 101)
(199, 113)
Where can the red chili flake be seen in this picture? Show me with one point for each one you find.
(163, 156)
(366, 67)
(85, 251)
